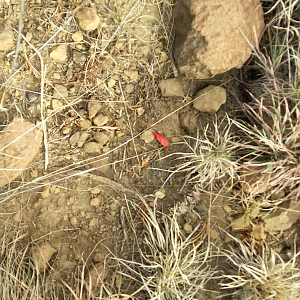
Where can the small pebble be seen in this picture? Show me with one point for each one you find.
(59, 53)
(77, 36)
(188, 228)
(73, 221)
(95, 201)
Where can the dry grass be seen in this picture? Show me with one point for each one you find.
(271, 133)
(18, 276)
(168, 264)
(265, 276)
(211, 156)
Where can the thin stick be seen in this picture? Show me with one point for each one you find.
(19, 35)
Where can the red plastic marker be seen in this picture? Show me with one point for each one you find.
(163, 140)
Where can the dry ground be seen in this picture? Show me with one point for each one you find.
(130, 207)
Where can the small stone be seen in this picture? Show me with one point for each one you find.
(56, 76)
(163, 56)
(95, 201)
(29, 36)
(140, 111)
(78, 138)
(84, 124)
(42, 254)
(188, 121)
(59, 53)
(73, 221)
(100, 120)
(278, 195)
(227, 209)
(188, 228)
(98, 257)
(46, 191)
(129, 88)
(111, 82)
(92, 147)
(214, 234)
(113, 206)
(160, 194)
(79, 57)
(95, 191)
(93, 108)
(171, 88)
(210, 99)
(147, 136)
(34, 173)
(93, 222)
(101, 138)
(6, 35)
(66, 130)
(253, 181)
(56, 104)
(242, 223)
(60, 91)
(132, 74)
(258, 232)
(77, 36)
(88, 19)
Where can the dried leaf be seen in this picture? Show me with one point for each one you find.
(145, 162)
(19, 143)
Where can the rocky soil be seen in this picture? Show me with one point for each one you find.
(83, 91)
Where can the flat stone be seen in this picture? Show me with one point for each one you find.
(60, 91)
(210, 99)
(101, 137)
(93, 222)
(78, 138)
(188, 228)
(42, 254)
(95, 201)
(77, 36)
(147, 136)
(73, 221)
(84, 124)
(132, 74)
(87, 19)
(59, 53)
(94, 107)
(171, 88)
(100, 120)
(92, 147)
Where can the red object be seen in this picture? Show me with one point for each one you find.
(163, 140)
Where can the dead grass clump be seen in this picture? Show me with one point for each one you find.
(265, 276)
(271, 134)
(170, 265)
(19, 279)
(211, 156)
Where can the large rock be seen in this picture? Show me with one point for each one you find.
(214, 36)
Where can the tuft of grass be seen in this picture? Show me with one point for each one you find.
(265, 276)
(19, 279)
(169, 265)
(211, 155)
(271, 142)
